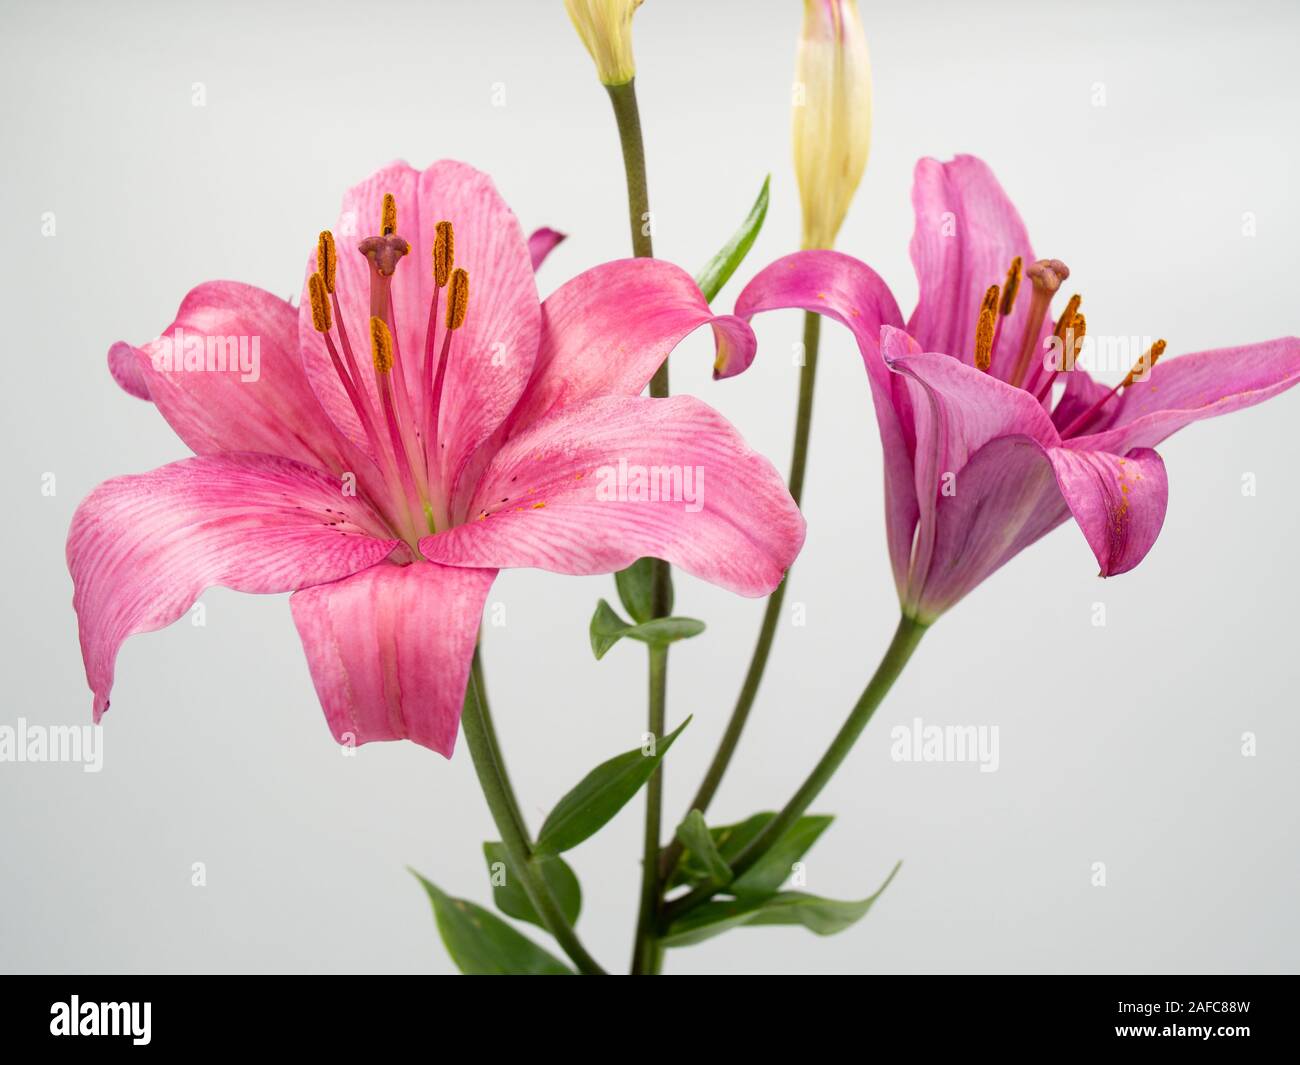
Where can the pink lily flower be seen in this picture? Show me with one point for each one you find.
(982, 456)
(413, 427)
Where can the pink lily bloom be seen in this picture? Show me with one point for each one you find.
(413, 427)
(983, 454)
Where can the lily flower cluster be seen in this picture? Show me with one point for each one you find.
(420, 420)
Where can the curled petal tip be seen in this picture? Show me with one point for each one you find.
(736, 346)
(541, 242)
(123, 364)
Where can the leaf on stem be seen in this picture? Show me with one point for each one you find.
(607, 628)
(508, 887)
(600, 795)
(822, 916)
(771, 870)
(481, 944)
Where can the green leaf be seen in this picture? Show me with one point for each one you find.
(698, 840)
(773, 869)
(720, 268)
(768, 874)
(481, 944)
(600, 795)
(823, 916)
(636, 589)
(607, 628)
(508, 889)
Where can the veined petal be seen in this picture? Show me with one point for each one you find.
(967, 232)
(492, 354)
(617, 478)
(1119, 503)
(1187, 388)
(955, 410)
(850, 292)
(1014, 490)
(541, 242)
(608, 330)
(389, 650)
(1003, 499)
(227, 376)
(142, 548)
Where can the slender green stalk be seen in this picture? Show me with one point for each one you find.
(480, 734)
(490, 734)
(646, 953)
(767, 631)
(906, 637)
(623, 97)
(628, 117)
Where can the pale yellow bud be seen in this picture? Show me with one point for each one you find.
(605, 27)
(832, 115)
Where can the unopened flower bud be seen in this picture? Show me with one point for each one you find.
(832, 115)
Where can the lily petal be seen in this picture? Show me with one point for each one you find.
(1014, 491)
(1006, 497)
(967, 232)
(608, 330)
(1119, 503)
(1189, 388)
(142, 548)
(566, 496)
(850, 292)
(268, 408)
(956, 410)
(389, 650)
(541, 242)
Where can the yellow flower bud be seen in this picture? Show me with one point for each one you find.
(832, 115)
(605, 27)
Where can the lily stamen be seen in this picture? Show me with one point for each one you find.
(444, 255)
(457, 308)
(327, 267)
(1063, 325)
(381, 353)
(1139, 371)
(984, 329)
(1010, 287)
(1067, 316)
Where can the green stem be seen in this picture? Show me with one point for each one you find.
(480, 734)
(490, 735)
(623, 97)
(906, 637)
(646, 953)
(767, 631)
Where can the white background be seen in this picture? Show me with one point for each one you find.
(1119, 744)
